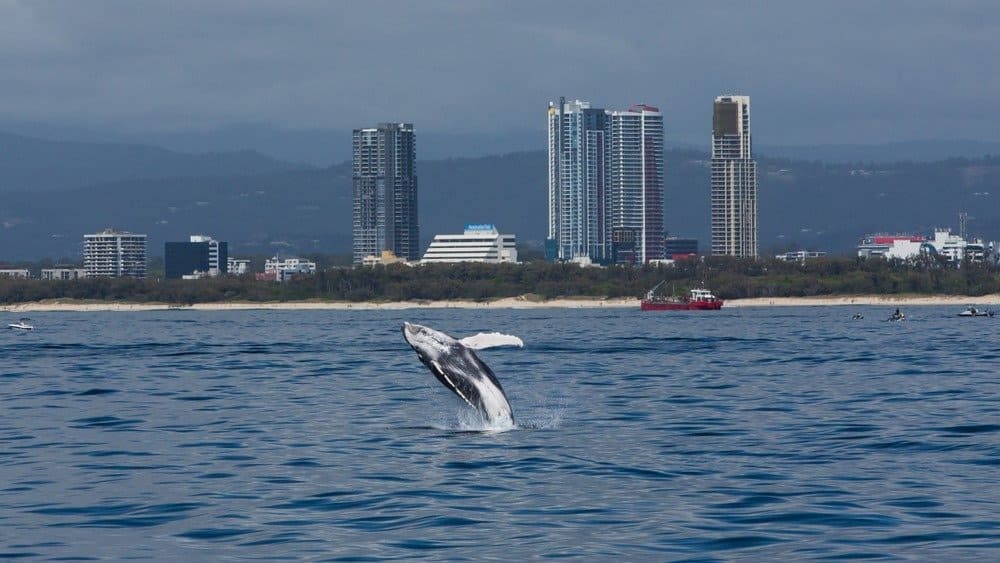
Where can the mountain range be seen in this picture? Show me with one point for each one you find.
(323, 147)
(53, 192)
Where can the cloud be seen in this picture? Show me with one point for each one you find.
(838, 71)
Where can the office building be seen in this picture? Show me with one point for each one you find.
(605, 194)
(675, 247)
(478, 243)
(201, 256)
(385, 192)
(734, 179)
(114, 254)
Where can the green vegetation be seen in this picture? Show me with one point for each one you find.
(728, 278)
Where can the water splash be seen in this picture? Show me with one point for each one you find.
(473, 421)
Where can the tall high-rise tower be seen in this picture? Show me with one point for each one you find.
(734, 179)
(385, 192)
(636, 191)
(605, 182)
(579, 151)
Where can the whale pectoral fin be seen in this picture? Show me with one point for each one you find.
(483, 340)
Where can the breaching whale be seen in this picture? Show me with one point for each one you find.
(458, 368)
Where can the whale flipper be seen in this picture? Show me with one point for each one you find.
(485, 340)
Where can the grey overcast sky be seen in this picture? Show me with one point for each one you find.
(816, 71)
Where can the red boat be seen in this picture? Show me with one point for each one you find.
(698, 300)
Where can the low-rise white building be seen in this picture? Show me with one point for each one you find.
(237, 267)
(14, 273)
(479, 243)
(63, 273)
(800, 255)
(284, 268)
(952, 247)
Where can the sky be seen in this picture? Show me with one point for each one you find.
(817, 72)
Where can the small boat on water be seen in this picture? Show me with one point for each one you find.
(22, 324)
(974, 312)
(699, 299)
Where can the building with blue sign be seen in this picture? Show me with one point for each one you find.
(481, 242)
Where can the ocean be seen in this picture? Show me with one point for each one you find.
(771, 433)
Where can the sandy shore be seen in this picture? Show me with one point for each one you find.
(887, 300)
(507, 303)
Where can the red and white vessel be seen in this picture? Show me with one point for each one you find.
(699, 299)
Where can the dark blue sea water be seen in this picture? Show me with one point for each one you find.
(765, 434)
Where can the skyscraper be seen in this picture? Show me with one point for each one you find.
(385, 192)
(637, 180)
(579, 151)
(734, 179)
(605, 183)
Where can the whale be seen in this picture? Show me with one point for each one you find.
(454, 363)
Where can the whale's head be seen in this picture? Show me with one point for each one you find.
(428, 343)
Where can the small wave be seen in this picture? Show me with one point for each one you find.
(96, 391)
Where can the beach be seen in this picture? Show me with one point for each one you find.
(505, 303)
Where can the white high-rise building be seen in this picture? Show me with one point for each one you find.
(637, 180)
(114, 254)
(734, 179)
(579, 151)
(605, 183)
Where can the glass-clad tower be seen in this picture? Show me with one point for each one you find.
(605, 193)
(385, 192)
(734, 179)
(579, 151)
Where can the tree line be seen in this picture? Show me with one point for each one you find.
(728, 278)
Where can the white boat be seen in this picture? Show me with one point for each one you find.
(22, 324)
(974, 312)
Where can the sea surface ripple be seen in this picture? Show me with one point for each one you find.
(758, 433)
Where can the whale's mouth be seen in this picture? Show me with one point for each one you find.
(410, 331)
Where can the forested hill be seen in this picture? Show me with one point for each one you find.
(802, 204)
(32, 165)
